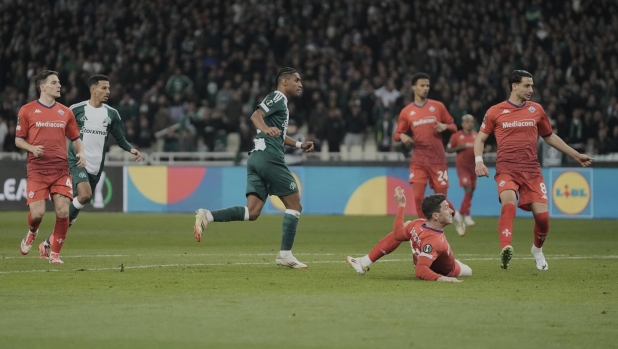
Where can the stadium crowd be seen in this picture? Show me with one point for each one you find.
(205, 64)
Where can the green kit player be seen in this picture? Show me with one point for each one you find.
(96, 120)
(267, 173)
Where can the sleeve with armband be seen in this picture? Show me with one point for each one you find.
(21, 130)
(403, 126)
(488, 123)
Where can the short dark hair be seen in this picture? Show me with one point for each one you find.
(283, 73)
(416, 77)
(431, 204)
(516, 76)
(94, 80)
(42, 76)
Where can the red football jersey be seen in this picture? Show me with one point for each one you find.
(517, 129)
(430, 243)
(39, 124)
(465, 158)
(428, 147)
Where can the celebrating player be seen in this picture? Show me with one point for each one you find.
(432, 254)
(517, 123)
(462, 143)
(42, 126)
(96, 120)
(267, 173)
(426, 119)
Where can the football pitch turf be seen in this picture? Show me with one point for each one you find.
(226, 292)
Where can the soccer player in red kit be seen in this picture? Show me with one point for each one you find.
(432, 255)
(462, 143)
(427, 119)
(517, 124)
(42, 126)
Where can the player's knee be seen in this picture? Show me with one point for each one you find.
(84, 198)
(37, 215)
(62, 213)
(253, 215)
(542, 221)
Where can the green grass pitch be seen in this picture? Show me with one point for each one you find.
(226, 292)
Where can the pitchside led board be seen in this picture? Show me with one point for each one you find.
(355, 190)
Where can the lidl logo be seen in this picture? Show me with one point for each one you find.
(571, 193)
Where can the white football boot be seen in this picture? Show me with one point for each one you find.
(539, 258)
(201, 222)
(357, 265)
(290, 262)
(459, 224)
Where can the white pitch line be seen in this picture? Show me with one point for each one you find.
(267, 263)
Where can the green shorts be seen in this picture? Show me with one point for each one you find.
(267, 174)
(80, 175)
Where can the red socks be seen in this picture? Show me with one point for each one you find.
(34, 226)
(541, 228)
(385, 246)
(419, 195)
(505, 224)
(60, 233)
(465, 204)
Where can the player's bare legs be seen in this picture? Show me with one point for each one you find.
(541, 228)
(293, 208)
(466, 203)
(61, 206)
(35, 217)
(508, 198)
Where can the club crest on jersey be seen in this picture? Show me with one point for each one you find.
(531, 109)
(432, 109)
(107, 121)
(60, 111)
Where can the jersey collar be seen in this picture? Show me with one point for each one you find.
(44, 106)
(284, 97)
(432, 229)
(515, 105)
(420, 106)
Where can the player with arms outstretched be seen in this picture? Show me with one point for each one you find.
(432, 255)
(267, 173)
(96, 120)
(462, 143)
(42, 128)
(427, 119)
(517, 124)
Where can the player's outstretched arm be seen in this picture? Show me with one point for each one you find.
(448, 279)
(117, 130)
(557, 142)
(479, 144)
(257, 118)
(423, 271)
(307, 146)
(399, 229)
(36, 150)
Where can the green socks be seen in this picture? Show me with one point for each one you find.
(290, 222)
(233, 213)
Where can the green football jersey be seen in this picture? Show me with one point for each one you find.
(275, 106)
(95, 124)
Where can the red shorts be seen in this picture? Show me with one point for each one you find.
(466, 177)
(530, 187)
(40, 184)
(436, 174)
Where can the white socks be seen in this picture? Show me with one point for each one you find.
(285, 254)
(209, 217)
(365, 261)
(77, 204)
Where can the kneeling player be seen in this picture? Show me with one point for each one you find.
(432, 254)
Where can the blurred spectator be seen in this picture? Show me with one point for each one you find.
(333, 130)
(354, 127)
(178, 83)
(4, 131)
(384, 129)
(360, 52)
(9, 139)
(128, 108)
